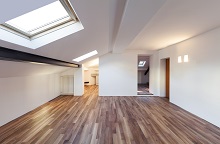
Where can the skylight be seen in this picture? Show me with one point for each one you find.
(42, 19)
(141, 63)
(85, 56)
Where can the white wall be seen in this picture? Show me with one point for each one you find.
(67, 82)
(142, 78)
(88, 77)
(79, 81)
(118, 74)
(162, 78)
(20, 95)
(154, 84)
(67, 85)
(194, 86)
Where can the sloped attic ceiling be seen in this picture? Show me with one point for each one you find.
(95, 18)
(104, 25)
(117, 25)
(176, 21)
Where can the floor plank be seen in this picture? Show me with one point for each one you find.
(107, 120)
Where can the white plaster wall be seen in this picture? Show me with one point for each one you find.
(92, 80)
(67, 85)
(162, 77)
(142, 78)
(79, 81)
(20, 95)
(88, 77)
(118, 74)
(154, 85)
(67, 82)
(69, 72)
(194, 86)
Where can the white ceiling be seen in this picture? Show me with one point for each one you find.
(92, 63)
(177, 21)
(94, 16)
(117, 25)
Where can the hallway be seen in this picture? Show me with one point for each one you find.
(103, 120)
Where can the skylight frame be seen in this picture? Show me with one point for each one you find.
(66, 5)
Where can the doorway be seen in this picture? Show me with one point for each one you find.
(143, 75)
(91, 73)
(165, 78)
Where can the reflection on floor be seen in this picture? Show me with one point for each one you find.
(143, 89)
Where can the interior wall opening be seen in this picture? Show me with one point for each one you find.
(143, 75)
(165, 78)
(91, 72)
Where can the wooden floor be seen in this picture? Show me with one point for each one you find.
(106, 120)
(143, 89)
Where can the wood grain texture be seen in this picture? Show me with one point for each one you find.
(168, 78)
(107, 120)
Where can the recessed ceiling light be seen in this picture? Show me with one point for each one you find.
(85, 56)
(141, 63)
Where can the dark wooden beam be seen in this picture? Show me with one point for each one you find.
(14, 55)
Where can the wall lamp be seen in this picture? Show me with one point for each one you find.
(185, 58)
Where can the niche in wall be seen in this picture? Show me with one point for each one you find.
(67, 85)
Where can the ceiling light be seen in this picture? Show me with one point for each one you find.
(85, 56)
(141, 63)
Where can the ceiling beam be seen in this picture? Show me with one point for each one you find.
(19, 56)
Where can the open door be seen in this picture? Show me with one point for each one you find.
(168, 78)
(143, 67)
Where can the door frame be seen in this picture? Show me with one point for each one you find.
(165, 77)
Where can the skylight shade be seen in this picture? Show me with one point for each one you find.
(141, 63)
(40, 19)
(85, 56)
